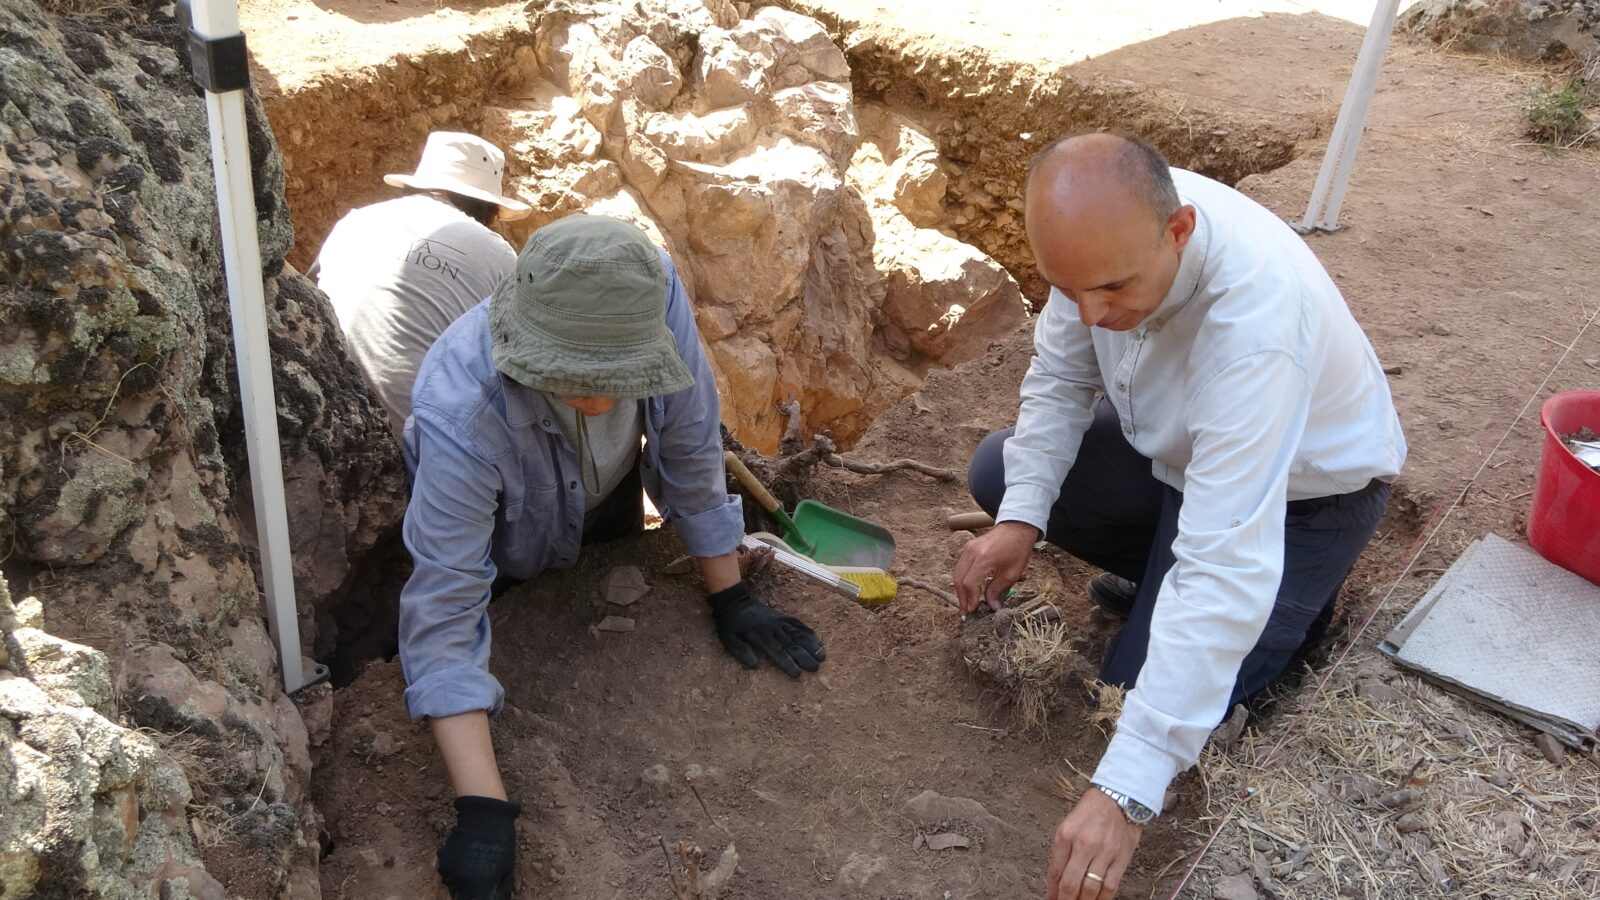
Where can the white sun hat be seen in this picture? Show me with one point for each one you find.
(462, 164)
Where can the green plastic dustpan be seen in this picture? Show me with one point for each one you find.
(819, 531)
(840, 539)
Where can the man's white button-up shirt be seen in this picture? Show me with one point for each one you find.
(1251, 385)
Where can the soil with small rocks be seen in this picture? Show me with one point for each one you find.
(614, 741)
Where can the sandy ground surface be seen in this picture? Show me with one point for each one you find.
(1468, 257)
(1070, 32)
(295, 43)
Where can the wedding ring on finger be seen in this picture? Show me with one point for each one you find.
(1093, 877)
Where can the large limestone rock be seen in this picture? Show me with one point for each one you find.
(1541, 30)
(123, 479)
(944, 300)
(91, 808)
(731, 141)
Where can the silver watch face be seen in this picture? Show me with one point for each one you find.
(1138, 813)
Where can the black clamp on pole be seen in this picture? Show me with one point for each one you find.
(220, 64)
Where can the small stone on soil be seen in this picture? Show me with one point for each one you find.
(618, 624)
(1378, 692)
(1405, 798)
(1170, 802)
(948, 841)
(1410, 823)
(1441, 329)
(624, 586)
(1552, 749)
(1235, 887)
(656, 780)
(1393, 370)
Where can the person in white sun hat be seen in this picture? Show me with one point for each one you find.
(400, 271)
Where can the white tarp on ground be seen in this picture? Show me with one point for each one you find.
(1511, 630)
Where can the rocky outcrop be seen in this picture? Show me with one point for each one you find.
(732, 141)
(88, 803)
(124, 504)
(1537, 30)
(943, 299)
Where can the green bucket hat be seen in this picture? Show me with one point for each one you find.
(585, 314)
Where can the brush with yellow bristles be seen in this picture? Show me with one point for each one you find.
(865, 585)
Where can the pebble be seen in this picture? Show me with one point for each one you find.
(1261, 845)
(1393, 370)
(1405, 798)
(1409, 823)
(617, 624)
(1500, 779)
(948, 841)
(1552, 749)
(1235, 887)
(1170, 802)
(656, 779)
(1441, 329)
(1378, 692)
(624, 586)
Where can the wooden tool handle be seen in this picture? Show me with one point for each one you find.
(971, 521)
(748, 480)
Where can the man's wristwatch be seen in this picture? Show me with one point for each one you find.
(1137, 812)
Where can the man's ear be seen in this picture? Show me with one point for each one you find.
(1181, 225)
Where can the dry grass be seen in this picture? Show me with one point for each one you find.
(86, 8)
(1040, 656)
(1490, 816)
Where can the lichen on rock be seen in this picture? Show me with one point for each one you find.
(91, 808)
(124, 493)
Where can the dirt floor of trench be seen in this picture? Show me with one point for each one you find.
(1468, 258)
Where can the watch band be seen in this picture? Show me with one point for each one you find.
(1136, 812)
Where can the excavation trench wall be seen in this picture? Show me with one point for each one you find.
(992, 109)
(900, 164)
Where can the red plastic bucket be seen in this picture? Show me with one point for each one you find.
(1564, 525)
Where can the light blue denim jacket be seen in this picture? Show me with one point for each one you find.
(496, 489)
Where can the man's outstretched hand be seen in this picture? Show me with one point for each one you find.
(476, 859)
(992, 563)
(745, 625)
(1095, 839)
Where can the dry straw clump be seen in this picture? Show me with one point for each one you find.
(1039, 656)
(1396, 789)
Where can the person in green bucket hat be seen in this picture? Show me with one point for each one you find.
(524, 444)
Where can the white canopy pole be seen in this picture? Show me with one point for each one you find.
(1340, 159)
(221, 67)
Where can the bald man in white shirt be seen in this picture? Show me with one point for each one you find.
(1204, 419)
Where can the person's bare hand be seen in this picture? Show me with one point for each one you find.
(992, 563)
(1091, 849)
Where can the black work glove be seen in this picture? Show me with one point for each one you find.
(745, 624)
(475, 860)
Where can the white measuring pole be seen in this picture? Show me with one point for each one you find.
(1340, 160)
(241, 253)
